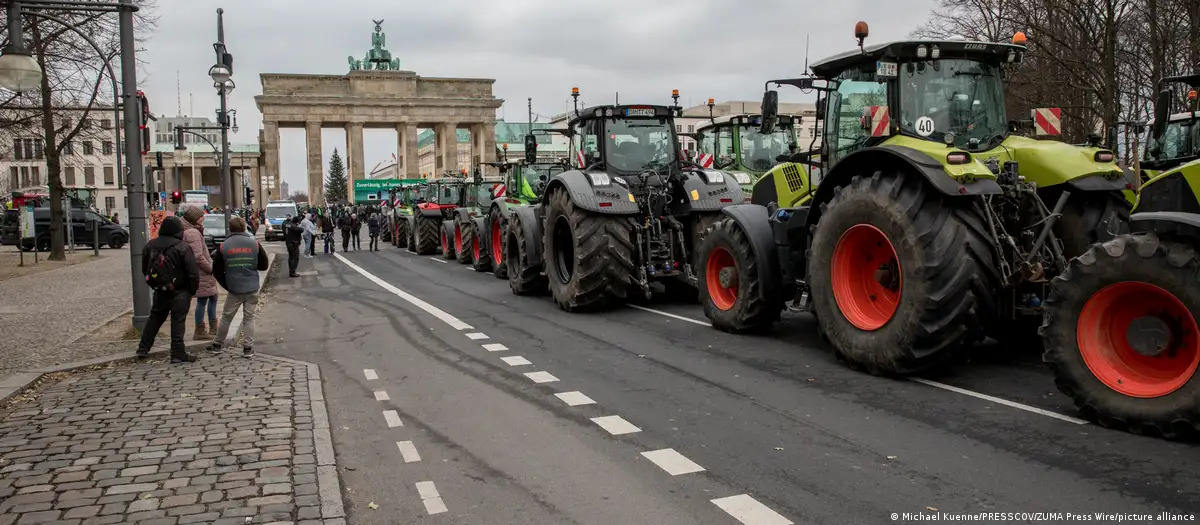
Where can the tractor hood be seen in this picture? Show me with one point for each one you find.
(1173, 190)
(1048, 162)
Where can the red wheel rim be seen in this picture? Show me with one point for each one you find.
(496, 243)
(723, 297)
(1103, 334)
(866, 277)
(457, 240)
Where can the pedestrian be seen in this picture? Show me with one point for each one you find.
(309, 230)
(327, 233)
(293, 233)
(236, 267)
(355, 228)
(206, 293)
(344, 223)
(116, 218)
(373, 231)
(170, 270)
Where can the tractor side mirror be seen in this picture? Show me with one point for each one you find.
(530, 148)
(770, 110)
(1162, 106)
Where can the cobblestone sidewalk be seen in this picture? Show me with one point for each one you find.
(224, 440)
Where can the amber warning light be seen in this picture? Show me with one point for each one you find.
(1019, 38)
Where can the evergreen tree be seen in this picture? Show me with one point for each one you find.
(335, 180)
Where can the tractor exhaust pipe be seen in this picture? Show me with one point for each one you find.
(1053, 218)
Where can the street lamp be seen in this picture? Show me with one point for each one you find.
(219, 73)
(222, 73)
(18, 70)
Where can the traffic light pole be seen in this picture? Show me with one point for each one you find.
(133, 165)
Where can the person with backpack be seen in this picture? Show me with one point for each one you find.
(373, 231)
(170, 270)
(236, 267)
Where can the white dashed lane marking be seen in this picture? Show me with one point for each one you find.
(995, 399)
(673, 462)
(443, 261)
(430, 309)
(393, 419)
(380, 395)
(475, 336)
(370, 374)
(541, 377)
(575, 398)
(408, 451)
(749, 511)
(430, 497)
(615, 425)
(515, 360)
(495, 347)
(672, 316)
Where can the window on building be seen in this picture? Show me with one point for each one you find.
(68, 148)
(69, 176)
(28, 149)
(679, 128)
(14, 177)
(36, 175)
(107, 147)
(126, 202)
(108, 176)
(24, 175)
(66, 123)
(105, 124)
(691, 128)
(89, 176)
(110, 203)
(17, 151)
(87, 148)
(85, 123)
(37, 148)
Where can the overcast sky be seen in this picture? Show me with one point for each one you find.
(723, 49)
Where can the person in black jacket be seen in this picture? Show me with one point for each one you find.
(169, 250)
(344, 223)
(293, 235)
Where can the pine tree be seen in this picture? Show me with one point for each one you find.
(335, 181)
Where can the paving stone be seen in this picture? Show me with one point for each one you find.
(82, 512)
(204, 517)
(143, 504)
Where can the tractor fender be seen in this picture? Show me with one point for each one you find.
(754, 220)
(700, 195)
(429, 212)
(1099, 182)
(480, 230)
(532, 226)
(462, 215)
(616, 197)
(1174, 223)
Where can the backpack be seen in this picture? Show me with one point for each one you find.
(162, 274)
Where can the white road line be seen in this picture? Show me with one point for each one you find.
(393, 419)
(495, 347)
(672, 316)
(475, 336)
(1004, 402)
(408, 451)
(541, 377)
(443, 261)
(430, 497)
(380, 395)
(574, 398)
(515, 360)
(370, 373)
(615, 425)
(749, 511)
(454, 322)
(673, 462)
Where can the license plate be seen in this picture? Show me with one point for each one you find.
(639, 112)
(887, 69)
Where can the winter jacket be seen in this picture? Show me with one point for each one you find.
(373, 224)
(326, 224)
(170, 243)
(238, 261)
(344, 223)
(194, 236)
(293, 233)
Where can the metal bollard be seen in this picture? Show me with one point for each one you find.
(95, 238)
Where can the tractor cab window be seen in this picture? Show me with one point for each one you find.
(707, 143)
(1181, 139)
(585, 143)
(759, 150)
(844, 132)
(724, 155)
(635, 144)
(449, 194)
(958, 96)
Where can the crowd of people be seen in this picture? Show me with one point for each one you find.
(303, 231)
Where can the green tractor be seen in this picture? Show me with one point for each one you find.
(522, 186)
(629, 214)
(401, 199)
(930, 227)
(461, 233)
(434, 204)
(1120, 327)
(735, 143)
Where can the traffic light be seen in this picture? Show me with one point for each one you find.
(249, 195)
(176, 197)
(143, 125)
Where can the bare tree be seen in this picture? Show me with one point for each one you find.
(299, 196)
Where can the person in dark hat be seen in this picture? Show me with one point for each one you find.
(171, 271)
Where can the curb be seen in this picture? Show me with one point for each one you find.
(72, 340)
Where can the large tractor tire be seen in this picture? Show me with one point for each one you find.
(1121, 335)
(1091, 217)
(401, 234)
(481, 260)
(497, 246)
(426, 234)
(448, 242)
(901, 275)
(589, 256)
(462, 243)
(701, 223)
(524, 268)
(730, 281)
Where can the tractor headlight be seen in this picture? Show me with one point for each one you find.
(714, 177)
(599, 179)
(741, 178)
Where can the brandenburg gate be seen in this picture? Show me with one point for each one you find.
(376, 94)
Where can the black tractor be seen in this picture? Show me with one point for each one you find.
(631, 212)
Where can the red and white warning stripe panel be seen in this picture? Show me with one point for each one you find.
(705, 160)
(498, 191)
(579, 158)
(1047, 121)
(881, 122)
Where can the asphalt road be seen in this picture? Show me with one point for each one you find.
(757, 429)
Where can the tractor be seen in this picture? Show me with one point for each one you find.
(930, 228)
(468, 220)
(523, 183)
(435, 203)
(733, 143)
(1119, 330)
(400, 213)
(629, 214)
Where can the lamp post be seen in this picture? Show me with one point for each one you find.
(222, 75)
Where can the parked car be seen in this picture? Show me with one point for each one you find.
(215, 231)
(112, 234)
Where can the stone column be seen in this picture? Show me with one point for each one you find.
(354, 157)
(447, 153)
(488, 139)
(412, 159)
(316, 177)
(260, 198)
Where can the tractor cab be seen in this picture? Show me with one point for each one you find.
(737, 144)
(1176, 132)
(625, 141)
(442, 195)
